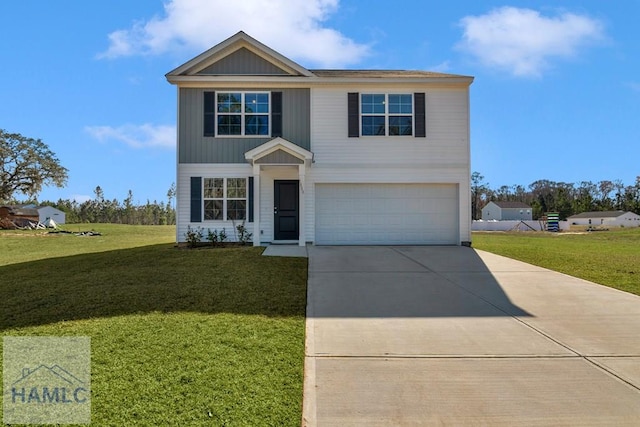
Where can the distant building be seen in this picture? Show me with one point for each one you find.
(12, 216)
(503, 211)
(49, 212)
(606, 218)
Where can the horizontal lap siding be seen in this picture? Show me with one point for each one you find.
(443, 156)
(446, 141)
(183, 205)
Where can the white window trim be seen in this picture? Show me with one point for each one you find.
(224, 199)
(386, 115)
(242, 114)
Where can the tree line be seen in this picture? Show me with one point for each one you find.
(27, 165)
(113, 211)
(566, 198)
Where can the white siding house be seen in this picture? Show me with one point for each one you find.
(46, 212)
(506, 211)
(606, 218)
(320, 156)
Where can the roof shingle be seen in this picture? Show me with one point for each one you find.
(600, 214)
(382, 74)
(512, 205)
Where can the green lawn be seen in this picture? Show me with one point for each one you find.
(178, 337)
(611, 258)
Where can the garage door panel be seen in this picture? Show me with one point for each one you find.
(386, 214)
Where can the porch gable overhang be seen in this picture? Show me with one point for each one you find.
(279, 151)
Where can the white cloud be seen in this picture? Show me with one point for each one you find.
(292, 27)
(522, 41)
(137, 136)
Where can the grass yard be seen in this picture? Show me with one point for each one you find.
(611, 258)
(178, 337)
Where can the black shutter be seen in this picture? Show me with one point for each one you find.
(196, 199)
(250, 200)
(419, 114)
(353, 107)
(276, 114)
(209, 114)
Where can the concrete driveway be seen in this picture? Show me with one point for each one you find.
(456, 336)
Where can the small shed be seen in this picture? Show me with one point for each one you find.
(503, 211)
(606, 218)
(12, 216)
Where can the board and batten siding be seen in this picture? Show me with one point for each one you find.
(242, 62)
(194, 147)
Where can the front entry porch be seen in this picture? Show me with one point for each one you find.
(280, 207)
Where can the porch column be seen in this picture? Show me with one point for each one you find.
(301, 218)
(256, 205)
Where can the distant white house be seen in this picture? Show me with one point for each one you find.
(606, 218)
(504, 211)
(49, 212)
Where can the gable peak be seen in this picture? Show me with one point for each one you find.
(234, 44)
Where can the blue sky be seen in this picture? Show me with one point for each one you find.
(556, 93)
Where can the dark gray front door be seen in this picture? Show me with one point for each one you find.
(285, 210)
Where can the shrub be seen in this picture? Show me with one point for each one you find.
(193, 236)
(243, 234)
(222, 236)
(212, 236)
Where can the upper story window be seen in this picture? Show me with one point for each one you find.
(386, 114)
(242, 113)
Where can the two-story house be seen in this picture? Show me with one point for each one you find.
(505, 211)
(343, 157)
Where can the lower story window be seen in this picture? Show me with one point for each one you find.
(225, 199)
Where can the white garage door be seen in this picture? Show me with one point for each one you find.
(386, 214)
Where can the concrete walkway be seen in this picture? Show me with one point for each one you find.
(405, 336)
(286, 251)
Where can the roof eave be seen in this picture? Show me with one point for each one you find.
(182, 80)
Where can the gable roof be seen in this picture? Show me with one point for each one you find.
(269, 65)
(232, 44)
(599, 214)
(290, 150)
(511, 205)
